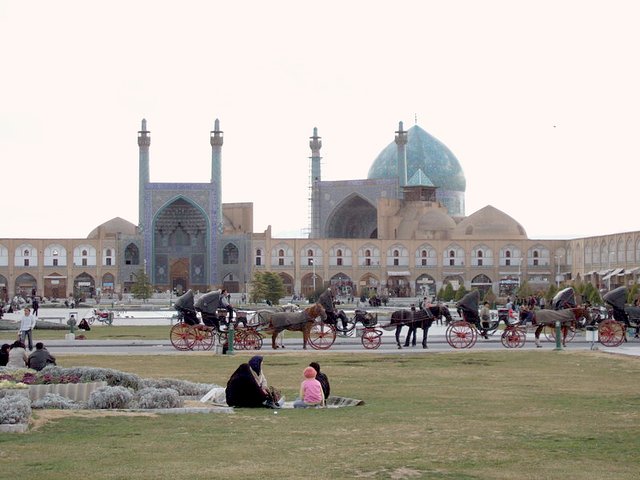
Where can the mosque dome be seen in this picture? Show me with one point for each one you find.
(489, 222)
(424, 152)
(435, 220)
(114, 226)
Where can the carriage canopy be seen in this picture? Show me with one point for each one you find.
(184, 302)
(565, 298)
(209, 302)
(470, 301)
(616, 297)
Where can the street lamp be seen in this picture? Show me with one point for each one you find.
(609, 272)
(557, 258)
(313, 264)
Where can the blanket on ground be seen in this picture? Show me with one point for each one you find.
(217, 396)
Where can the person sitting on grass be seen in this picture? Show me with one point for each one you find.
(40, 358)
(247, 386)
(322, 378)
(311, 394)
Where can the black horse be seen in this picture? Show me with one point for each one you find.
(414, 319)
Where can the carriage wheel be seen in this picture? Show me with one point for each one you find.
(461, 334)
(202, 338)
(345, 330)
(550, 333)
(238, 339)
(181, 336)
(237, 343)
(252, 340)
(611, 333)
(322, 335)
(371, 338)
(514, 337)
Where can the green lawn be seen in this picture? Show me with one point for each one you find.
(458, 415)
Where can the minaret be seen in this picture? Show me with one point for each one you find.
(144, 140)
(401, 142)
(216, 141)
(315, 143)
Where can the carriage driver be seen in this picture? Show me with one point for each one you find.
(327, 301)
(224, 303)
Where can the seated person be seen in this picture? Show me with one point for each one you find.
(310, 391)
(4, 354)
(247, 386)
(40, 358)
(322, 378)
(17, 355)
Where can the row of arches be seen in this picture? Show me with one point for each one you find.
(57, 285)
(402, 286)
(400, 256)
(56, 255)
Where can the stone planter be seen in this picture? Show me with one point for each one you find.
(78, 392)
(14, 428)
(5, 392)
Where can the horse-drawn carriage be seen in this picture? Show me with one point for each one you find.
(190, 334)
(613, 332)
(564, 313)
(464, 333)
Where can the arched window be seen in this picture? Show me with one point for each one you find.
(132, 255)
(230, 254)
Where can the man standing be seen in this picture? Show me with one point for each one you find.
(40, 358)
(27, 322)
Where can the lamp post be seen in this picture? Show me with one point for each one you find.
(609, 272)
(557, 258)
(313, 264)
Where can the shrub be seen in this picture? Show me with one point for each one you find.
(55, 401)
(109, 397)
(94, 374)
(157, 398)
(15, 409)
(183, 387)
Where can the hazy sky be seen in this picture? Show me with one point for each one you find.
(538, 100)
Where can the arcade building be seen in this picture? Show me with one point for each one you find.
(402, 231)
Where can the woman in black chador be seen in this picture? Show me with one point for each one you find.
(247, 387)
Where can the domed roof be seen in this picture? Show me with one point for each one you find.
(436, 220)
(423, 152)
(113, 226)
(489, 222)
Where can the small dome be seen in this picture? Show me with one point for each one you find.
(426, 153)
(489, 222)
(436, 220)
(113, 226)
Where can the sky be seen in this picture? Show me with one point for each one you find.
(538, 100)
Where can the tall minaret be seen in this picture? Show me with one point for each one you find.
(401, 142)
(144, 140)
(315, 143)
(216, 141)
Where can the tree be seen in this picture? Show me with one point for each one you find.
(267, 286)
(490, 297)
(461, 292)
(142, 288)
(524, 290)
(448, 294)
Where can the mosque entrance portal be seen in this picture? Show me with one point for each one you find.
(179, 274)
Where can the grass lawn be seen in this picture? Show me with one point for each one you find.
(459, 415)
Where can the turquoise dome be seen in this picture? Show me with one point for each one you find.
(423, 152)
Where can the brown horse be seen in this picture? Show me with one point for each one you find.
(566, 317)
(276, 322)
